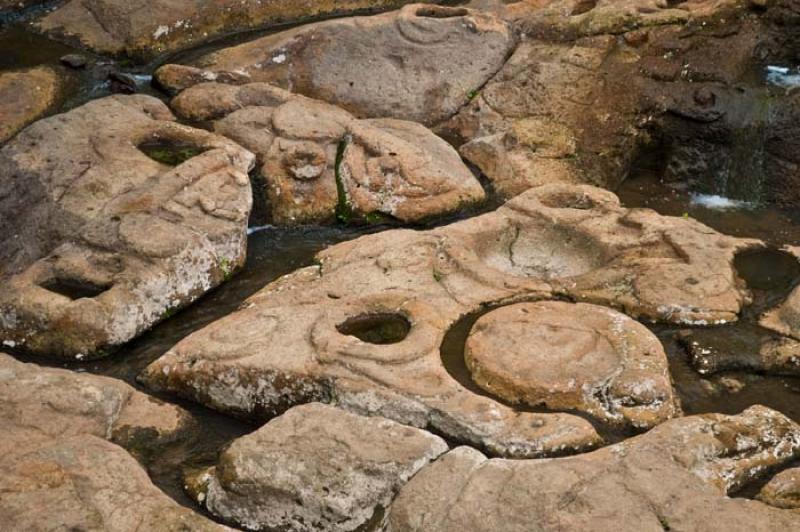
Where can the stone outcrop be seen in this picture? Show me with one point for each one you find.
(422, 63)
(318, 161)
(577, 104)
(783, 490)
(556, 112)
(675, 477)
(25, 96)
(364, 327)
(572, 357)
(59, 468)
(144, 28)
(107, 241)
(314, 468)
(564, 19)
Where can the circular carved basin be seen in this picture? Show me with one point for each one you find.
(544, 252)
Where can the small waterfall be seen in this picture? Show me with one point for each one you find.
(741, 174)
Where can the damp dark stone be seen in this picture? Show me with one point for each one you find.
(379, 328)
(768, 269)
(170, 152)
(441, 12)
(74, 288)
(584, 6)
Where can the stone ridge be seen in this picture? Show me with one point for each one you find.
(295, 340)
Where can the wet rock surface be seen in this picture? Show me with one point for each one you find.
(143, 28)
(674, 477)
(785, 319)
(421, 63)
(335, 333)
(109, 240)
(318, 162)
(314, 468)
(25, 96)
(57, 453)
(572, 356)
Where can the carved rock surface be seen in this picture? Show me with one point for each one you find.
(675, 477)
(106, 240)
(57, 468)
(577, 18)
(556, 112)
(315, 468)
(144, 28)
(572, 356)
(364, 327)
(25, 96)
(421, 63)
(316, 158)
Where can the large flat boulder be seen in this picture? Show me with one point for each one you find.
(421, 63)
(318, 161)
(62, 403)
(144, 28)
(107, 240)
(574, 357)
(25, 96)
(83, 482)
(675, 477)
(364, 328)
(59, 466)
(314, 468)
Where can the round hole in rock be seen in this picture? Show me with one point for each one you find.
(441, 12)
(377, 328)
(169, 151)
(768, 269)
(546, 252)
(74, 288)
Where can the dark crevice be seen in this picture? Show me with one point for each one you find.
(170, 152)
(74, 288)
(376, 328)
(344, 211)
